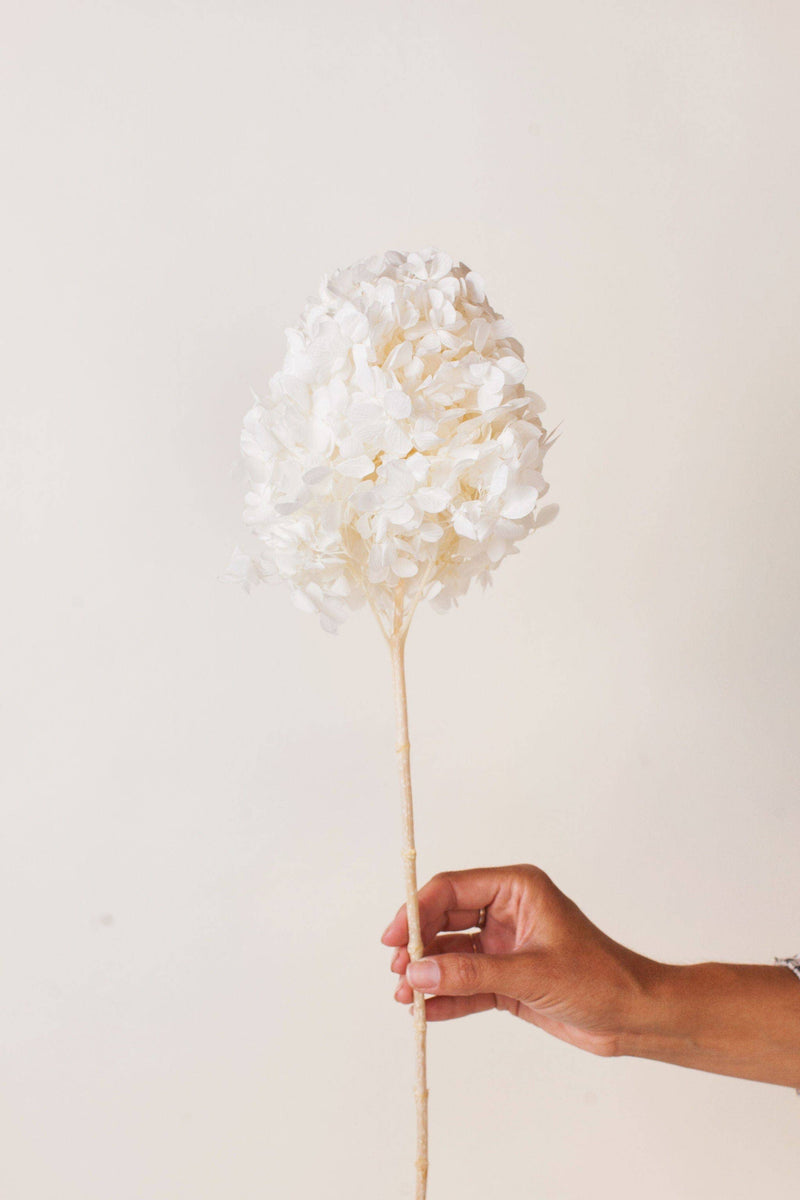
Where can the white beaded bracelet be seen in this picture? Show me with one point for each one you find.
(793, 964)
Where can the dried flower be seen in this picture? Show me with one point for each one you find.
(396, 457)
(397, 451)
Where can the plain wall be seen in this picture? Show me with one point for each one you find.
(200, 816)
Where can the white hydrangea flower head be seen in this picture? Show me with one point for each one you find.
(397, 454)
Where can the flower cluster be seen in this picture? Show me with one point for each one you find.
(397, 454)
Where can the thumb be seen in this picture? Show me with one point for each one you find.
(471, 974)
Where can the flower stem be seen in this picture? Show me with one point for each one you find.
(397, 643)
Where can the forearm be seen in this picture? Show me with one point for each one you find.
(731, 1019)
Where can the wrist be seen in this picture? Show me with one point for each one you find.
(727, 1018)
(652, 1012)
(663, 1011)
(686, 1011)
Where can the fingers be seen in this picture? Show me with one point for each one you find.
(448, 1008)
(443, 943)
(450, 900)
(397, 932)
(474, 974)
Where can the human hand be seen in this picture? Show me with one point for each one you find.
(537, 957)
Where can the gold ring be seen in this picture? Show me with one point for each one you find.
(481, 921)
(475, 947)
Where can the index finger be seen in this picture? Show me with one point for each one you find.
(450, 900)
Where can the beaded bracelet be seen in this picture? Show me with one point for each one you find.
(793, 964)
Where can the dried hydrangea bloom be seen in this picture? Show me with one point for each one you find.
(397, 451)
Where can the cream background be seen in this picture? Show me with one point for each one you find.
(200, 816)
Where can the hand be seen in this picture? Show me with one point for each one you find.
(541, 959)
(538, 958)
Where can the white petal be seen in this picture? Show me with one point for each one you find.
(366, 501)
(487, 399)
(396, 480)
(418, 466)
(351, 445)
(377, 567)
(499, 481)
(429, 343)
(476, 289)
(402, 515)
(495, 379)
(425, 439)
(414, 371)
(433, 500)
(441, 264)
(480, 330)
(404, 568)
(331, 517)
(355, 468)
(396, 440)
(399, 356)
(365, 412)
(464, 526)
(519, 500)
(316, 475)
(513, 368)
(397, 404)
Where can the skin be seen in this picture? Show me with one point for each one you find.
(542, 960)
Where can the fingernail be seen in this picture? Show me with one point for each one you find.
(424, 974)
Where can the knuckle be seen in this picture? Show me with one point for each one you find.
(605, 1047)
(534, 875)
(438, 882)
(442, 881)
(465, 972)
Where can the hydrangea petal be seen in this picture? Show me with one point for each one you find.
(519, 501)
(433, 499)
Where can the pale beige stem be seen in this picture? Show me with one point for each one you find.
(397, 643)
